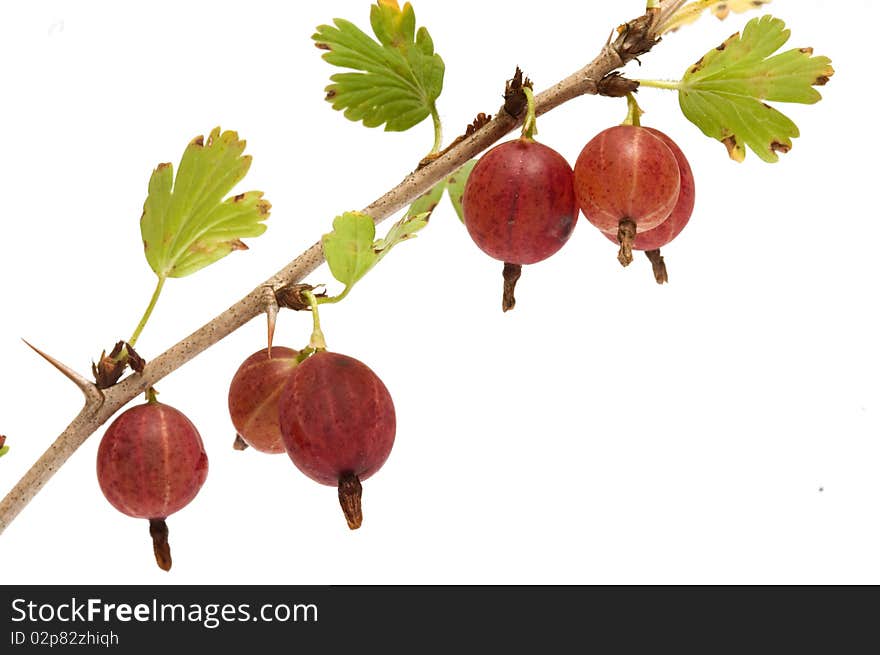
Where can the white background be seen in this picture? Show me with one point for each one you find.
(722, 429)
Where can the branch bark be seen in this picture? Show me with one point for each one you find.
(633, 39)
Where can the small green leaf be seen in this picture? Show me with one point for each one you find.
(349, 247)
(399, 78)
(352, 249)
(722, 94)
(405, 229)
(190, 226)
(427, 203)
(456, 184)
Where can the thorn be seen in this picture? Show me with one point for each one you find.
(271, 315)
(90, 390)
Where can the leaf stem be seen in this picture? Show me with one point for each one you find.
(438, 130)
(333, 300)
(530, 123)
(669, 85)
(317, 340)
(148, 313)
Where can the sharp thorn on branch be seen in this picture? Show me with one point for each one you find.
(90, 390)
(271, 316)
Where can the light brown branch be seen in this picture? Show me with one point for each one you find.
(635, 39)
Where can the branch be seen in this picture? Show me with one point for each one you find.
(632, 40)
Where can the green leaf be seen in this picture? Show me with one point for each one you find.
(403, 230)
(188, 225)
(723, 93)
(456, 184)
(352, 249)
(399, 77)
(427, 203)
(349, 248)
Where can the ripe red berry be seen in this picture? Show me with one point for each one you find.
(627, 181)
(519, 205)
(653, 240)
(152, 463)
(253, 397)
(338, 423)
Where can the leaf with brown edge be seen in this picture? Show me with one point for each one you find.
(187, 225)
(724, 93)
(691, 12)
(394, 81)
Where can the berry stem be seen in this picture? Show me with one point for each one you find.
(317, 341)
(147, 313)
(161, 549)
(512, 274)
(151, 395)
(350, 499)
(634, 112)
(530, 123)
(239, 443)
(626, 236)
(657, 261)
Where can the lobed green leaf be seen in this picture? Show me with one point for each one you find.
(349, 247)
(352, 249)
(398, 78)
(723, 94)
(187, 225)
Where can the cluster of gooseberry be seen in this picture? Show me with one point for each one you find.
(522, 199)
(332, 415)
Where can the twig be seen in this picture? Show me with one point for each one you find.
(634, 39)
